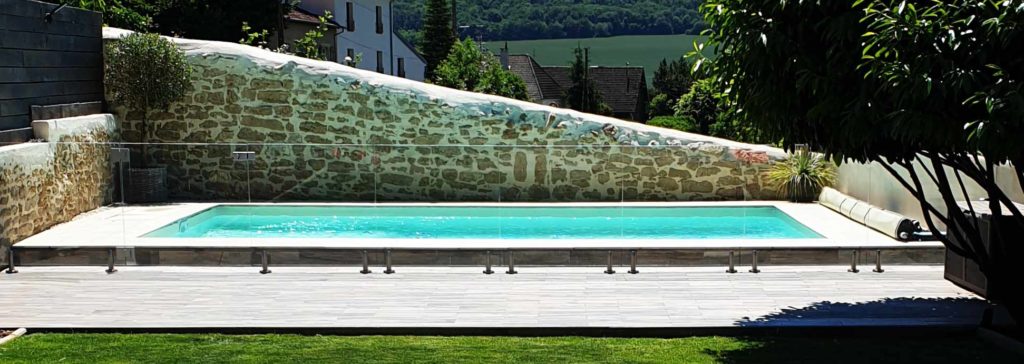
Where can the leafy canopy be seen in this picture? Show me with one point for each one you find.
(583, 95)
(145, 72)
(930, 89)
(309, 45)
(470, 68)
(880, 78)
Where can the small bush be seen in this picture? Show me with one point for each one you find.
(146, 72)
(802, 176)
(674, 122)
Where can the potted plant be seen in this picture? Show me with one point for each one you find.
(145, 72)
(802, 176)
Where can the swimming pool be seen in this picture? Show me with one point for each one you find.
(513, 222)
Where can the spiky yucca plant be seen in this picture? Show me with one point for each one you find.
(802, 176)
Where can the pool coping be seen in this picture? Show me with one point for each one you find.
(94, 230)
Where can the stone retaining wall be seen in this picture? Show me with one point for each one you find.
(47, 183)
(323, 131)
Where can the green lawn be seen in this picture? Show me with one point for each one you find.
(637, 50)
(107, 348)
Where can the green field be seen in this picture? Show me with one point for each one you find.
(638, 50)
(109, 348)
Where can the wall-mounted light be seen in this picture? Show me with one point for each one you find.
(49, 15)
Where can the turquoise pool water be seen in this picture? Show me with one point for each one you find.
(434, 222)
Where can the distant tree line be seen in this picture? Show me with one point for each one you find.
(553, 19)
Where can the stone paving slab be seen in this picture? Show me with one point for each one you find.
(435, 297)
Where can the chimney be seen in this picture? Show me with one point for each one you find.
(504, 57)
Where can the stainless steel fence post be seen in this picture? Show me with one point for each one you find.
(366, 263)
(511, 263)
(265, 261)
(878, 262)
(753, 262)
(112, 254)
(10, 260)
(609, 270)
(732, 262)
(487, 262)
(387, 262)
(853, 261)
(632, 262)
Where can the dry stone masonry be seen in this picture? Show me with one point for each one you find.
(326, 132)
(43, 184)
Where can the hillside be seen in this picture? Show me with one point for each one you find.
(555, 19)
(638, 50)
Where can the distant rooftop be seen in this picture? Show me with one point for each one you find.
(624, 89)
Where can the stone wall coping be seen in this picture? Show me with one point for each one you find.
(52, 130)
(31, 156)
(575, 123)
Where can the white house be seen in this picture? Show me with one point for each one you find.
(366, 30)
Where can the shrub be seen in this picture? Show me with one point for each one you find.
(674, 122)
(802, 176)
(146, 72)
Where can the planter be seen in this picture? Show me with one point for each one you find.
(147, 185)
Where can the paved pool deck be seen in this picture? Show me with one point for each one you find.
(440, 298)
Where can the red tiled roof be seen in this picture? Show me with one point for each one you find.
(304, 16)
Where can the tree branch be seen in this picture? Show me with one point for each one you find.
(974, 240)
(930, 212)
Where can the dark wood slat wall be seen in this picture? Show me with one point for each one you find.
(45, 63)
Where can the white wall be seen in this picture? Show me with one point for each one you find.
(873, 184)
(415, 67)
(365, 40)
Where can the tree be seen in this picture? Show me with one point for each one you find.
(438, 36)
(700, 104)
(583, 95)
(472, 69)
(929, 89)
(673, 79)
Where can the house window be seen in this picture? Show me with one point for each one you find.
(380, 62)
(380, 20)
(401, 67)
(350, 18)
(351, 54)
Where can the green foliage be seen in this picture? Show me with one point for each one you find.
(660, 105)
(554, 19)
(145, 72)
(674, 78)
(802, 176)
(252, 37)
(472, 69)
(921, 86)
(309, 45)
(673, 122)
(438, 35)
(134, 15)
(583, 95)
(701, 104)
